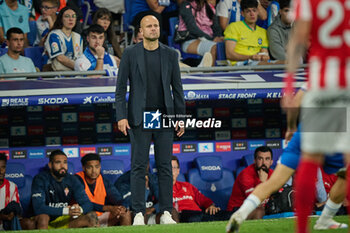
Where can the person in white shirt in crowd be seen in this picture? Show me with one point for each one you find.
(46, 20)
(95, 57)
(64, 45)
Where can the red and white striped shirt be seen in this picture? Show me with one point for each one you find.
(8, 193)
(329, 55)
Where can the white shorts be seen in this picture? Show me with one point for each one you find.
(325, 121)
(203, 47)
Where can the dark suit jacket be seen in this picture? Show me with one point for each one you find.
(132, 67)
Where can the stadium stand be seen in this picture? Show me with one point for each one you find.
(88, 7)
(272, 11)
(248, 159)
(128, 29)
(239, 169)
(173, 24)
(181, 178)
(152, 165)
(111, 169)
(35, 53)
(71, 168)
(16, 173)
(212, 179)
(220, 54)
(32, 32)
(3, 51)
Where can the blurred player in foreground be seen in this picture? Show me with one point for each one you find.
(325, 106)
(284, 170)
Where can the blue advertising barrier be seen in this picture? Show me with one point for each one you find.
(211, 86)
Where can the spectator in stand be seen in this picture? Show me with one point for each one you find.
(54, 191)
(13, 14)
(95, 57)
(29, 5)
(161, 9)
(229, 11)
(64, 45)
(199, 19)
(104, 18)
(37, 5)
(12, 61)
(105, 198)
(189, 202)
(249, 178)
(138, 36)
(10, 207)
(46, 21)
(279, 30)
(245, 42)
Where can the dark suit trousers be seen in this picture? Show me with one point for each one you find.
(163, 149)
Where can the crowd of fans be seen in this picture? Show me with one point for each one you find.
(242, 25)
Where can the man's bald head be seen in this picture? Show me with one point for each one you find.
(147, 19)
(150, 28)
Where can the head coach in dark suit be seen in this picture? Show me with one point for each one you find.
(155, 84)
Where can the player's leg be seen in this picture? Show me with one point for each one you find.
(334, 202)
(115, 219)
(305, 188)
(42, 221)
(278, 178)
(125, 218)
(88, 220)
(347, 162)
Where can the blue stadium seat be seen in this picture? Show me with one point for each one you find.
(127, 28)
(239, 169)
(3, 51)
(32, 32)
(111, 169)
(71, 168)
(127, 15)
(87, 7)
(173, 24)
(181, 178)
(36, 54)
(212, 179)
(248, 159)
(16, 173)
(220, 53)
(272, 11)
(152, 166)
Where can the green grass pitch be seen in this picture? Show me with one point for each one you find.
(252, 226)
